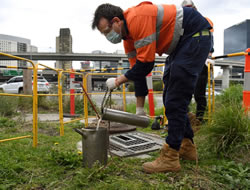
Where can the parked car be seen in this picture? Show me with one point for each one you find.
(15, 85)
(215, 92)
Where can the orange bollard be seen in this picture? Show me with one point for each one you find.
(246, 91)
(150, 95)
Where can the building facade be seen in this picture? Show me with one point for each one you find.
(237, 39)
(11, 44)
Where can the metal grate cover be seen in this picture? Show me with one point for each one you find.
(134, 143)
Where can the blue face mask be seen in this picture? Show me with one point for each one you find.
(114, 37)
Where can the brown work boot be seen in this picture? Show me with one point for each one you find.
(188, 150)
(168, 161)
(194, 122)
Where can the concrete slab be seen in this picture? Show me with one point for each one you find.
(52, 118)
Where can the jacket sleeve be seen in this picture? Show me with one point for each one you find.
(139, 71)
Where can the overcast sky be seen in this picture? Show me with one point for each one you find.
(41, 20)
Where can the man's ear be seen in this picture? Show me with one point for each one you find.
(116, 19)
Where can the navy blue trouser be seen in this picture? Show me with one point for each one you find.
(200, 93)
(182, 68)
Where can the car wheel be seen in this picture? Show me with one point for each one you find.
(20, 91)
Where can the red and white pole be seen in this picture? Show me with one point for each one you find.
(246, 90)
(72, 91)
(150, 95)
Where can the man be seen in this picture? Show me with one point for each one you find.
(200, 89)
(182, 33)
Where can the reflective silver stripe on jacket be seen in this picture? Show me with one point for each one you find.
(159, 20)
(131, 54)
(145, 41)
(178, 31)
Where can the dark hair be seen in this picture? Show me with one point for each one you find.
(107, 11)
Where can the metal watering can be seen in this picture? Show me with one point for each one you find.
(95, 145)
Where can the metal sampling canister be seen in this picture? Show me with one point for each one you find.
(125, 117)
(95, 145)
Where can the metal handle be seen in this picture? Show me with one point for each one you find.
(93, 106)
(80, 132)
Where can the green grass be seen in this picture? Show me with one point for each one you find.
(55, 164)
(132, 108)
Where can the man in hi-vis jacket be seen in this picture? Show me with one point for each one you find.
(201, 85)
(184, 35)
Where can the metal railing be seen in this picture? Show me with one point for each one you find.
(34, 99)
(60, 72)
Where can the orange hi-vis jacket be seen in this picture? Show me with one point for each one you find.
(211, 23)
(152, 29)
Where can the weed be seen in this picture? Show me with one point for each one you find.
(229, 130)
(79, 106)
(25, 104)
(235, 175)
(8, 105)
(65, 158)
(158, 85)
(131, 108)
(232, 95)
(6, 122)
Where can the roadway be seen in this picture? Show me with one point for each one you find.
(99, 57)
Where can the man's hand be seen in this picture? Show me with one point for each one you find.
(111, 83)
(209, 61)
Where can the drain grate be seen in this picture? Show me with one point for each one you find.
(134, 143)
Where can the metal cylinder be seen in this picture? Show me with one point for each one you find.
(125, 117)
(95, 145)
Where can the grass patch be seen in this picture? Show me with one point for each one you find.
(8, 105)
(228, 132)
(56, 164)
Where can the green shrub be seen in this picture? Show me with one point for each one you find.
(158, 85)
(43, 102)
(131, 108)
(233, 94)
(159, 111)
(131, 87)
(8, 105)
(6, 122)
(229, 130)
(79, 106)
(25, 104)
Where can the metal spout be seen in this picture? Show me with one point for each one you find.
(81, 132)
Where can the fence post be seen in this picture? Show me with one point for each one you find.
(72, 96)
(246, 90)
(150, 95)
